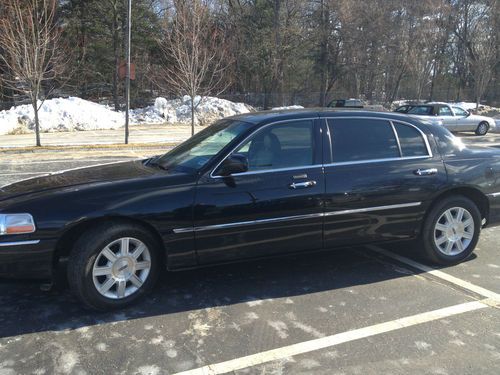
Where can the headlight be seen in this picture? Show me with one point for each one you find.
(16, 224)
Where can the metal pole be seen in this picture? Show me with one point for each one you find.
(127, 74)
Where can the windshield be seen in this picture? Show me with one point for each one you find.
(197, 151)
(421, 110)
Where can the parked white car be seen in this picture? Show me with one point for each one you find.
(454, 117)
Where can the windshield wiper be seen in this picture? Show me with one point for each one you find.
(154, 162)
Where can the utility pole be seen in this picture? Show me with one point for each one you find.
(127, 74)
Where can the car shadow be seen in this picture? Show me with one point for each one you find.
(25, 309)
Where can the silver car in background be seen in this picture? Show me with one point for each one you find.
(454, 117)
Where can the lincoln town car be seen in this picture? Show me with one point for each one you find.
(251, 186)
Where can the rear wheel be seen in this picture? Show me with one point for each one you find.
(113, 265)
(451, 230)
(482, 128)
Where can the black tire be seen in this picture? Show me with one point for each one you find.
(482, 128)
(85, 253)
(431, 250)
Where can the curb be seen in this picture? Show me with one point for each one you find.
(90, 147)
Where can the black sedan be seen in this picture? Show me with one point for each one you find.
(251, 186)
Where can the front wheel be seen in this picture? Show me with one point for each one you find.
(451, 230)
(113, 265)
(482, 128)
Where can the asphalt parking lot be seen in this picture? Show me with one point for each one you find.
(368, 310)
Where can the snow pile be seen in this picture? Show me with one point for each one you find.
(61, 114)
(287, 107)
(72, 114)
(208, 109)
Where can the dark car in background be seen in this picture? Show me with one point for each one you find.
(251, 186)
(404, 108)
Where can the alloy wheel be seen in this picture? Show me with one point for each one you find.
(121, 268)
(454, 231)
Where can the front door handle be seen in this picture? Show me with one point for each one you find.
(302, 185)
(426, 172)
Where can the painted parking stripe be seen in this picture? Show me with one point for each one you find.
(439, 274)
(333, 340)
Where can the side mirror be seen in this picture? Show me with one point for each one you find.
(467, 113)
(233, 164)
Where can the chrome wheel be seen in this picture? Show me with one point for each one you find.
(454, 231)
(121, 268)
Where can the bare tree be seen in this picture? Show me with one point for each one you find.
(32, 53)
(195, 53)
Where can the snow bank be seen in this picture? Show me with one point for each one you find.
(72, 114)
(61, 114)
(208, 109)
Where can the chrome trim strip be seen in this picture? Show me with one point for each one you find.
(375, 161)
(494, 195)
(250, 222)
(296, 217)
(19, 243)
(397, 140)
(251, 135)
(274, 170)
(369, 209)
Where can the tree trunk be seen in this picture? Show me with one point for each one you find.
(192, 115)
(323, 60)
(278, 55)
(37, 122)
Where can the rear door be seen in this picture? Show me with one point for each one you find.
(449, 119)
(379, 174)
(275, 207)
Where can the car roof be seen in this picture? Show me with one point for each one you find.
(265, 117)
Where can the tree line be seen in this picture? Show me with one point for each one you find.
(267, 52)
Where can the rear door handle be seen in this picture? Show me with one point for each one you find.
(302, 185)
(426, 172)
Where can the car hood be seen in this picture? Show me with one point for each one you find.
(82, 176)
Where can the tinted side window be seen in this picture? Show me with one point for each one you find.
(362, 139)
(283, 145)
(411, 141)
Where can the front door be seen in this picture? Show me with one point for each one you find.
(379, 177)
(275, 207)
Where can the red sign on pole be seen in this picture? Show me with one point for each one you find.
(122, 70)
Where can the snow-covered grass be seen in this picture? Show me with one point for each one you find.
(75, 114)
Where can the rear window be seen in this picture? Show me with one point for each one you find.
(362, 139)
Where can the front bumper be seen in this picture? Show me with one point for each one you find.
(26, 259)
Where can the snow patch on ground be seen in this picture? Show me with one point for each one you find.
(75, 114)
